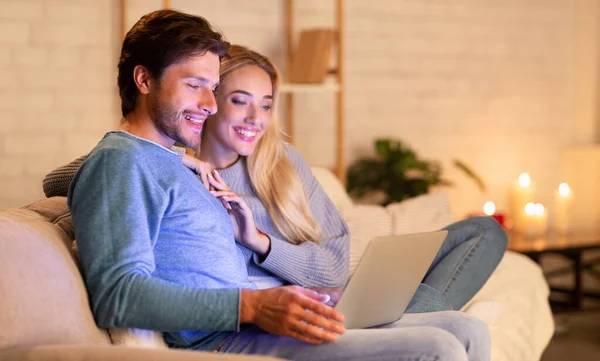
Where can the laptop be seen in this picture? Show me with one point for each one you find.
(387, 277)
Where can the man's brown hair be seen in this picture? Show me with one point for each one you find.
(160, 39)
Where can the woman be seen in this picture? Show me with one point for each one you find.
(293, 233)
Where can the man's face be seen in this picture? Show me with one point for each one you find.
(184, 96)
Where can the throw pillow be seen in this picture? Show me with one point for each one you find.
(365, 223)
(429, 212)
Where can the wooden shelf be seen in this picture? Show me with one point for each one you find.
(336, 87)
(308, 88)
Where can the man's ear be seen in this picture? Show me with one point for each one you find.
(142, 79)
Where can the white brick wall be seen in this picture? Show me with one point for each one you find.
(485, 81)
(488, 82)
(57, 73)
(14, 32)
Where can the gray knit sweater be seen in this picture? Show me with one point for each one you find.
(307, 264)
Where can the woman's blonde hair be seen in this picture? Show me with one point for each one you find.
(272, 174)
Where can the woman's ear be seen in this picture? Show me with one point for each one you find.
(142, 79)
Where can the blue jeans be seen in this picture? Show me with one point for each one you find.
(467, 258)
(447, 336)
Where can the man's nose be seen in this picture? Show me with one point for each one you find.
(207, 102)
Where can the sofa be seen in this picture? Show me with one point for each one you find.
(45, 314)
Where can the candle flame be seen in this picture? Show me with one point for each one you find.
(489, 208)
(539, 209)
(564, 190)
(530, 209)
(524, 180)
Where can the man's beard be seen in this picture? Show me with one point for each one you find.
(168, 122)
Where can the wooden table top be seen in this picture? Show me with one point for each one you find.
(553, 242)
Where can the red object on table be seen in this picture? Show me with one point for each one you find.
(500, 218)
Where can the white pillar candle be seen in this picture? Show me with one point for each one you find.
(563, 199)
(535, 220)
(523, 192)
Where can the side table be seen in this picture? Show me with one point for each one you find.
(571, 246)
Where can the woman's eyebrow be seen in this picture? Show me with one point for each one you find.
(243, 92)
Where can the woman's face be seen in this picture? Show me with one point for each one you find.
(244, 99)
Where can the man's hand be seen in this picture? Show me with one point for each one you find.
(292, 311)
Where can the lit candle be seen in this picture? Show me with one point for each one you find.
(535, 219)
(563, 199)
(523, 192)
(489, 209)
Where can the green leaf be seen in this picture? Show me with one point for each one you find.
(383, 148)
(471, 174)
(365, 175)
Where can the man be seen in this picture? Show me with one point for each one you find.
(157, 249)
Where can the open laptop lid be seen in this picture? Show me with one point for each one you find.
(387, 277)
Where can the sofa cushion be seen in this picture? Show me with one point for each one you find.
(55, 211)
(43, 300)
(365, 222)
(116, 353)
(333, 187)
(425, 213)
(520, 292)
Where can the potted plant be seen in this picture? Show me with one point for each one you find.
(398, 173)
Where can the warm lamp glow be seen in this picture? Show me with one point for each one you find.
(564, 190)
(489, 208)
(524, 180)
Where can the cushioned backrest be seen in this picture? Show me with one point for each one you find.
(42, 295)
(333, 187)
(365, 222)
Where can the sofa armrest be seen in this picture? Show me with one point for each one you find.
(115, 353)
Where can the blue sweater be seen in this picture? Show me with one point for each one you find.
(156, 248)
